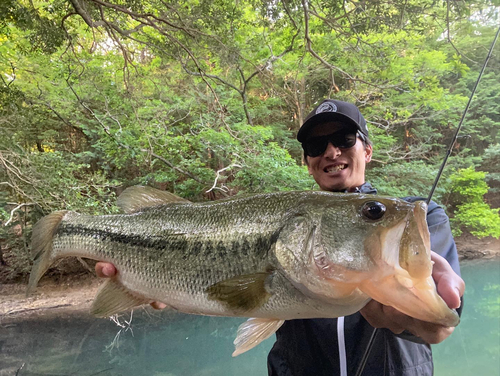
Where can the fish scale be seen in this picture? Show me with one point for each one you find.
(136, 244)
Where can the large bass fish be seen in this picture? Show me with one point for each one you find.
(271, 257)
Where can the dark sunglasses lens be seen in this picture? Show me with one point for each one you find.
(317, 145)
(345, 141)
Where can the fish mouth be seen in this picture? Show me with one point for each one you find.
(405, 279)
(336, 168)
(418, 299)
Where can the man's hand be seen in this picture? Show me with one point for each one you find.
(107, 270)
(449, 286)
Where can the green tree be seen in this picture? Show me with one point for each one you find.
(471, 212)
(204, 98)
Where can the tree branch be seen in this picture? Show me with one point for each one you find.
(224, 189)
(65, 121)
(108, 132)
(16, 209)
(146, 16)
(84, 14)
(309, 43)
(448, 33)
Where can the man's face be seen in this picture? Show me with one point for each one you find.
(338, 168)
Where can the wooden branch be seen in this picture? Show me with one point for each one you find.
(16, 209)
(13, 74)
(108, 132)
(152, 20)
(214, 186)
(448, 33)
(174, 10)
(12, 173)
(85, 16)
(244, 80)
(65, 121)
(287, 11)
(4, 82)
(146, 16)
(214, 77)
(20, 368)
(85, 265)
(309, 43)
(171, 165)
(323, 61)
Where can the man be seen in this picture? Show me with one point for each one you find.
(336, 150)
(336, 147)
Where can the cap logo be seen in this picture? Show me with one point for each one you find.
(326, 107)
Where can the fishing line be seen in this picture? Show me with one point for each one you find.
(448, 152)
(371, 341)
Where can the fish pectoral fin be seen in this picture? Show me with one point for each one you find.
(139, 197)
(242, 293)
(254, 331)
(113, 298)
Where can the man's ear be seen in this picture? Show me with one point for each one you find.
(368, 153)
(308, 167)
(304, 159)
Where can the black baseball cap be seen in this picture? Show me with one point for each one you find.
(333, 110)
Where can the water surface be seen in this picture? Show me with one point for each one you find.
(474, 347)
(167, 343)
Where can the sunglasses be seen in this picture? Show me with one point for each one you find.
(316, 146)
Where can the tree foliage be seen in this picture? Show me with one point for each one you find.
(204, 98)
(471, 212)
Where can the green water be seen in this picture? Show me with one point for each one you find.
(474, 347)
(166, 343)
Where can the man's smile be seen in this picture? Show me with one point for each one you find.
(335, 168)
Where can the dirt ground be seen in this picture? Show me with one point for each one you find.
(77, 294)
(470, 247)
(68, 294)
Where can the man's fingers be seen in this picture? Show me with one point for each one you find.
(449, 284)
(105, 270)
(397, 321)
(429, 332)
(450, 292)
(158, 305)
(380, 316)
(442, 269)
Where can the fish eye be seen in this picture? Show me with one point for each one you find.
(373, 210)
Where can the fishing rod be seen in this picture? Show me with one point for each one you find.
(448, 153)
(454, 139)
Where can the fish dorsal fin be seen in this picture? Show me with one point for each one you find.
(113, 298)
(242, 293)
(254, 331)
(138, 197)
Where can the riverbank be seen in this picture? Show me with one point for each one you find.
(470, 248)
(75, 293)
(51, 296)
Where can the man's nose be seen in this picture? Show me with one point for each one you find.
(332, 151)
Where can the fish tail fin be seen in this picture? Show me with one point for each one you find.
(41, 246)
